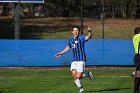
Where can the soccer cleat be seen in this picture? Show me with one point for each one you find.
(91, 76)
(81, 90)
(133, 74)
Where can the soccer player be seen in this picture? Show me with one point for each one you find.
(136, 43)
(77, 44)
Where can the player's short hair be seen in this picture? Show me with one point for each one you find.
(137, 30)
(76, 26)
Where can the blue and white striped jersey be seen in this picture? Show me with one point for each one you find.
(78, 48)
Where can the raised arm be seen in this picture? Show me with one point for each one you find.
(67, 48)
(89, 33)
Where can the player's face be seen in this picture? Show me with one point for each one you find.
(75, 32)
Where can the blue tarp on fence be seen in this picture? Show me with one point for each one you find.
(41, 52)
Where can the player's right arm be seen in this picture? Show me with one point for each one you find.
(67, 48)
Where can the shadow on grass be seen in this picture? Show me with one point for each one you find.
(7, 30)
(115, 89)
(5, 91)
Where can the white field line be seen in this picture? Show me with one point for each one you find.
(102, 76)
(113, 76)
(70, 77)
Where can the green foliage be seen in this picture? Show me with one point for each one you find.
(72, 8)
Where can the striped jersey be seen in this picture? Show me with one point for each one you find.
(78, 48)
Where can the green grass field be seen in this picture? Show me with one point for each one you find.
(58, 80)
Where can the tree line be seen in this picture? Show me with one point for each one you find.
(72, 8)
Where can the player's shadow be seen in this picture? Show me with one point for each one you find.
(115, 89)
(5, 91)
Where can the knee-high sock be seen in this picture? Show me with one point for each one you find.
(136, 85)
(77, 82)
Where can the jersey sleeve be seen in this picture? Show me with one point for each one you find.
(83, 38)
(136, 40)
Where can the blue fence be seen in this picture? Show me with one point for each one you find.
(41, 52)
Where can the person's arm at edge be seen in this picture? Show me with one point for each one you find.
(67, 48)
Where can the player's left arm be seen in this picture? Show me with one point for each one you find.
(89, 33)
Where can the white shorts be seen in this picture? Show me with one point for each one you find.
(78, 65)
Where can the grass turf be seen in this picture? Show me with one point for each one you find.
(108, 80)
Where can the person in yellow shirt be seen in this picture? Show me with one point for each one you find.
(136, 43)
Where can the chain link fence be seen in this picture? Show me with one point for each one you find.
(53, 20)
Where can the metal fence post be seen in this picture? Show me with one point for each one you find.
(17, 23)
(81, 17)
